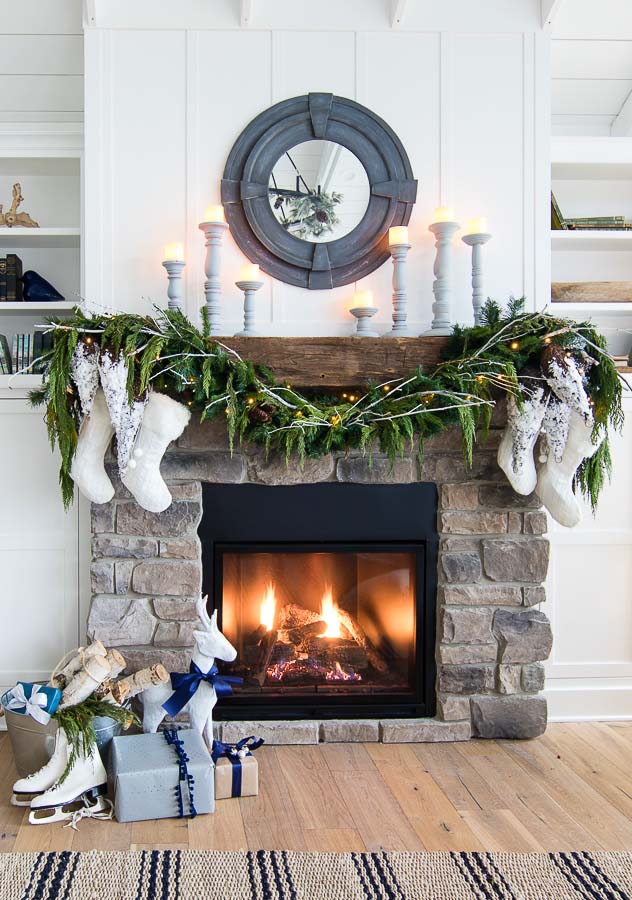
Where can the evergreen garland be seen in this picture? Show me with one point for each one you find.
(78, 723)
(167, 352)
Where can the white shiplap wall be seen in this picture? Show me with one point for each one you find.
(158, 133)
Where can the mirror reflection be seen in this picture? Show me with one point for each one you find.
(319, 191)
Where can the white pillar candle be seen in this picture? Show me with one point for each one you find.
(361, 299)
(398, 234)
(174, 251)
(476, 226)
(444, 214)
(249, 272)
(214, 213)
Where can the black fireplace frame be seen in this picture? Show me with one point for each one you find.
(354, 517)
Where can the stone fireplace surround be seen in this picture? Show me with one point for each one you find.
(146, 571)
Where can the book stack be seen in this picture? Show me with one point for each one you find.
(585, 223)
(25, 350)
(11, 288)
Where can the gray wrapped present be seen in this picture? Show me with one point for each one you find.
(161, 776)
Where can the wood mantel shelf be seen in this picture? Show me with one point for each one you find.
(338, 362)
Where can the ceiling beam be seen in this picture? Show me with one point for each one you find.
(549, 11)
(622, 125)
(397, 11)
(245, 12)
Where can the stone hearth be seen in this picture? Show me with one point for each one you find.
(492, 637)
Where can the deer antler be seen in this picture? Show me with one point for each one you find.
(200, 605)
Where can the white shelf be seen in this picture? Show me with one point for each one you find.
(589, 310)
(593, 158)
(591, 240)
(26, 307)
(39, 237)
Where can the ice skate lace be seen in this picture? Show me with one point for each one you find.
(89, 812)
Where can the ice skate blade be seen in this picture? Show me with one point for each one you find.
(92, 802)
(24, 799)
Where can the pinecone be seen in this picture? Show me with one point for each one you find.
(261, 414)
(321, 215)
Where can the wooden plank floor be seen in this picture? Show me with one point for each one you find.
(568, 790)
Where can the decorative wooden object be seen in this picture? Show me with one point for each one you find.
(339, 362)
(249, 288)
(399, 252)
(442, 285)
(213, 238)
(476, 241)
(13, 217)
(591, 292)
(174, 268)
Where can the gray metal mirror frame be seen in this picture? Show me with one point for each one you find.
(316, 266)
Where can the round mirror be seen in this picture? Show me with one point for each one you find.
(319, 191)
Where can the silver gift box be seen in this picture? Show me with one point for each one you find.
(144, 774)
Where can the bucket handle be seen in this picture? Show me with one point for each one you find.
(64, 661)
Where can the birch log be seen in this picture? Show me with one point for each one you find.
(75, 664)
(94, 672)
(134, 684)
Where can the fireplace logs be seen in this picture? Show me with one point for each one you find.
(307, 648)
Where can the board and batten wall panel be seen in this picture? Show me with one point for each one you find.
(166, 126)
(589, 674)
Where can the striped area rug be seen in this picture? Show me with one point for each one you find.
(280, 875)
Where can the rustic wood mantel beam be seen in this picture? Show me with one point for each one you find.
(337, 362)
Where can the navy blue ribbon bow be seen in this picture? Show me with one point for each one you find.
(185, 686)
(231, 752)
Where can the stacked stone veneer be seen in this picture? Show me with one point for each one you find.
(492, 637)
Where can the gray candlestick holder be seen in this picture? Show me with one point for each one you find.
(174, 269)
(399, 252)
(249, 288)
(442, 285)
(363, 316)
(476, 241)
(213, 237)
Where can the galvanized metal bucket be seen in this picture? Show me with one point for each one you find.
(33, 744)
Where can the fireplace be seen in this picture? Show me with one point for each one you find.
(328, 592)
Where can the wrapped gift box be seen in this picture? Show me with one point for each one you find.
(236, 769)
(145, 773)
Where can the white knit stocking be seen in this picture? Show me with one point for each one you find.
(555, 478)
(88, 471)
(164, 420)
(515, 453)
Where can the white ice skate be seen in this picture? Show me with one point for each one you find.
(26, 789)
(79, 794)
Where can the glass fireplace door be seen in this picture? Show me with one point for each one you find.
(321, 621)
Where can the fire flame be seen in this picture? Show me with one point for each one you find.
(268, 608)
(329, 614)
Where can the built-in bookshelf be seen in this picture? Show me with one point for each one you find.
(47, 163)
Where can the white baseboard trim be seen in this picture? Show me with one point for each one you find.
(589, 699)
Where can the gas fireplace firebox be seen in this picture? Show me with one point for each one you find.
(328, 592)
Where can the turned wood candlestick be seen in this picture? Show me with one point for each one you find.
(213, 238)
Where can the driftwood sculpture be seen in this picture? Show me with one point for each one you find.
(12, 216)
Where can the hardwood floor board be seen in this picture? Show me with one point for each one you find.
(499, 831)
(378, 817)
(547, 821)
(334, 840)
(612, 829)
(595, 769)
(313, 792)
(224, 830)
(457, 778)
(425, 805)
(571, 789)
(270, 820)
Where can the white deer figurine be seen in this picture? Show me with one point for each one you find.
(196, 691)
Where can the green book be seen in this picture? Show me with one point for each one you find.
(5, 356)
(557, 219)
(3, 280)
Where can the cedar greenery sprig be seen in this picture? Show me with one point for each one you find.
(78, 723)
(169, 353)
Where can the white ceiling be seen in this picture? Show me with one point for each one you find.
(592, 67)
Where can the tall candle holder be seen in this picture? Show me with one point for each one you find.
(174, 269)
(249, 288)
(442, 287)
(476, 241)
(213, 238)
(399, 247)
